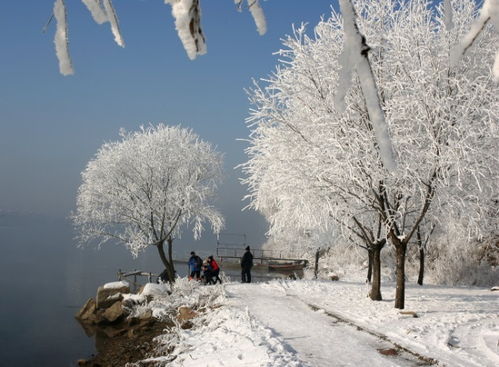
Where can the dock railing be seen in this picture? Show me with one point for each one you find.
(261, 256)
(137, 273)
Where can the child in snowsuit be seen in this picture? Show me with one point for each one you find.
(215, 269)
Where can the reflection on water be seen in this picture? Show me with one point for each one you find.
(45, 279)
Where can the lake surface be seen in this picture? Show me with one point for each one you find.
(45, 279)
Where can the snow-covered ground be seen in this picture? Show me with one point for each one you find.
(324, 323)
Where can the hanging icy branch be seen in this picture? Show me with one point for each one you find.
(113, 19)
(489, 12)
(256, 12)
(103, 11)
(258, 15)
(187, 14)
(61, 39)
(95, 8)
(355, 51)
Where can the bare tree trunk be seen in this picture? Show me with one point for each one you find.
(171, 270)
(375, 293)
(370, 265)
(421, 254)
(168, 264)
(316, 269)
(162, 255)
(421, 265)
(400, 251)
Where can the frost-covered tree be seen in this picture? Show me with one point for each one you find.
(316, 165)
(489, 13)
(145, 189)
(187, 14)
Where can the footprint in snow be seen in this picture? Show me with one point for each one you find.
(453, 342)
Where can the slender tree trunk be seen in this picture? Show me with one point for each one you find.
(316, 268)
(400, 251)
(170, 258)
(421, 265)
(168, 265)
(162, 255)
(421, 256)
(375, 293)
(370, 265)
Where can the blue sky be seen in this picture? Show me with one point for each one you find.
(52, 125)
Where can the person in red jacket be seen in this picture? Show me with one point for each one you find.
(215, 269)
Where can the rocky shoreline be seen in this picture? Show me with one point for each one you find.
(123, 326)
(124, 348)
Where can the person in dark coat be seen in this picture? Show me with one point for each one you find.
(246, 265)
(207, 276)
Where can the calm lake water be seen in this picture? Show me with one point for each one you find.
(45, 279)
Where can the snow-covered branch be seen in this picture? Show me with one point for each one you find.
(103, 11)
(61, 38)
(187, 14)
(356, 56)
(488, 13)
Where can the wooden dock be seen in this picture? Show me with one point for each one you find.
(273, 259)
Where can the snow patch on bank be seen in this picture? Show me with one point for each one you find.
(116, 285)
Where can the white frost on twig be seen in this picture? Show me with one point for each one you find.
(103, 11)
(489, 12)
(344, 79)
(187, 14)
(449, 22)
(95, 8)
(113, 19)
(355, 52)
(61, 39)
(258, 16)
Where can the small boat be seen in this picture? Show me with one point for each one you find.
(286, 266)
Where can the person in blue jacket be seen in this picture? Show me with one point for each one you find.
(195, 263)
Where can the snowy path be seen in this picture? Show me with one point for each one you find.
(272, 324)
(318, 339)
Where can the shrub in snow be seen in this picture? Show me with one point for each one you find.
(457, 260)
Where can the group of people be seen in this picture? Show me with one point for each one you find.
(208, 271)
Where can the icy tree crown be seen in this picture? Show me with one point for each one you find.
(147, 187)
(312, 164)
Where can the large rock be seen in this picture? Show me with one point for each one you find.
(106, 297)
(114, 313)
(86, 313)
